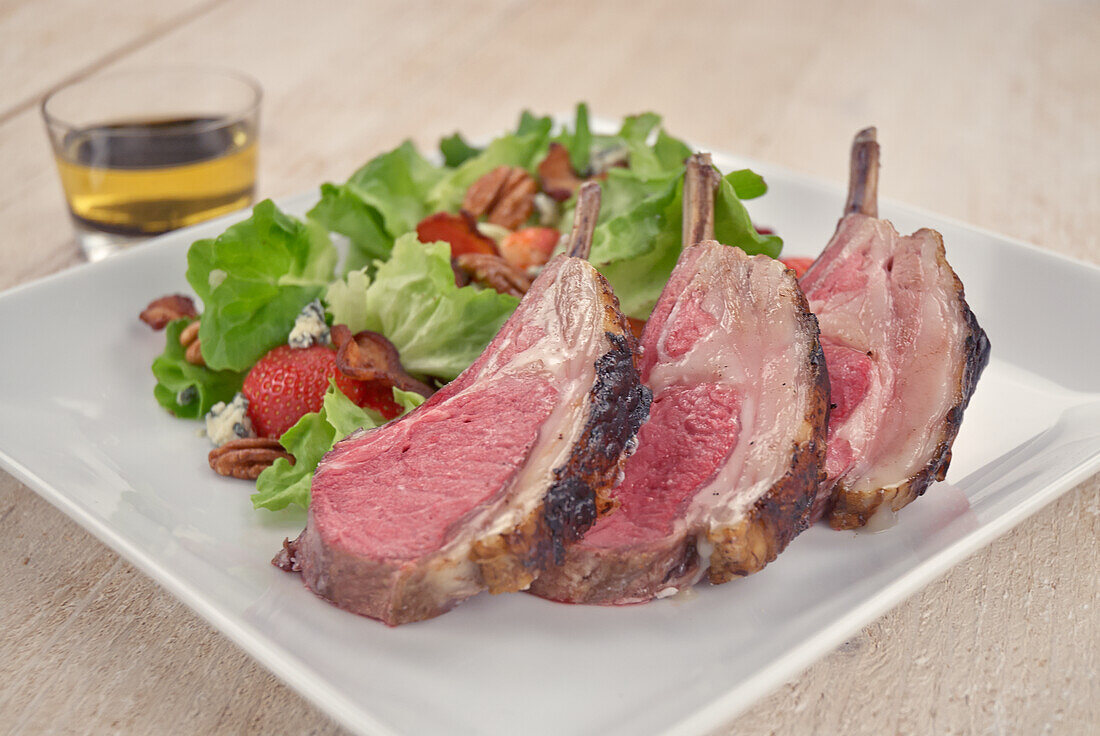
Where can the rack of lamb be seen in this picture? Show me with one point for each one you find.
(486, 484)
(728, 463)
(903, 350)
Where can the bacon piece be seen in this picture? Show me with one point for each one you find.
(494, 272)
(557, 175)
(459, 230)
(369, 357)
(168, 309)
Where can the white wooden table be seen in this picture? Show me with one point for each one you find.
(987, 112)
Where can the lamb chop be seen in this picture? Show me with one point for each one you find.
(486, 483)
(903, 349)
(728, 463)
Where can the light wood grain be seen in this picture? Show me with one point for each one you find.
(47, 42)
(987, 112)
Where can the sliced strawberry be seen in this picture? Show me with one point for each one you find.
(288, 383)
(798, 264)
(459, 230)
(529, 246)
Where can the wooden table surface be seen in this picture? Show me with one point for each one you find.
(988, 112)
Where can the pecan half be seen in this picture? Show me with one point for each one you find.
(246, 458)
(461, 277)
(166, 309)
(506, 196)
(494, 272)
(189, 339)
(557, 175)
(369, 357)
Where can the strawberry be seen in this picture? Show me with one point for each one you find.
(798, 264)
(288, 383)
(530, 246)
(379, 396)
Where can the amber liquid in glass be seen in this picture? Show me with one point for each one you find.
(149, 177)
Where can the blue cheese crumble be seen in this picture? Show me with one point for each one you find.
(600, 160)
(548, 209)
(187, 395)
(310, 327)
(225, 422)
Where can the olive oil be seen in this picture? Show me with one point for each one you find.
(148, 177)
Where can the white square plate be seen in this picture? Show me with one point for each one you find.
(81, 427)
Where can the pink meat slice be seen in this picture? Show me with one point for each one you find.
(904, 353)
(730, 458)
(485, 484)
(426, 479)
(700, 422)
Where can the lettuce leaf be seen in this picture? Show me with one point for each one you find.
(315, 434)
(383, 199)
(438, 328)
(636, 128)
(253, 280)
(637, 240)
(732, 224)
(637, 250)
(747, 184)
(341, 210)
(579, 141)
(187, 390)
(455, 150)
(524, 148)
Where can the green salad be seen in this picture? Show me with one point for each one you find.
(260, 276)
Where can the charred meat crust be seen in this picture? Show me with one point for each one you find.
(286, 559)
(618, 405)
(783, 512)
(851, 510)
(613, 578)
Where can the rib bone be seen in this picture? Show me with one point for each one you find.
(584, 220)
(863, 175)
(700, 183)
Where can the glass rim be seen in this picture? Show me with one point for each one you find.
(228, 119)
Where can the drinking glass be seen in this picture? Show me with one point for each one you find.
(145, 151)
